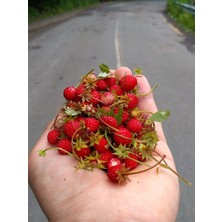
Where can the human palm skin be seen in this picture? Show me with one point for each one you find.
(70, 195)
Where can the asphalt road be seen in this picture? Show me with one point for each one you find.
(133, 34)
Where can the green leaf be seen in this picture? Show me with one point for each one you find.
(102, 75)
(42, 153)
(119, 116)
(71, 112)
(104, 68)
(160, 116)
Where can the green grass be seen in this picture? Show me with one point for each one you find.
(184, 19)
(46, 11)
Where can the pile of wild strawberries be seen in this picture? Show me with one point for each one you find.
(102, 126)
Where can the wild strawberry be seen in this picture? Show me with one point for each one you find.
(132, 100)
(81, 148)
(53, 136)
(105, 157)
(82, 152)
(95, 97)
(134, 125)
(113, 166)
(123, 136)
(92, 124)
(125, 115)
(69, 93)
(130, 163)
(116, 89)
(110, 121)
(80, 90)
(101, 145)
(128, 82)
(71, 127)
(101, 84)
(107, 98)
(64, 144)
(110, 81)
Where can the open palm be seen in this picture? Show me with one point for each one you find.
(68, 195)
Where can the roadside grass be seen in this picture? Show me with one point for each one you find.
(184, 19)
(35, 14)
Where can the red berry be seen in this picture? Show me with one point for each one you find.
(101, 84)
(110, 81)
(95, 97)
(102, 145)
(114, 165)
(125, 115)
(64, 144)
(80, 90)
(69, 93)
(116, 89)
(82, 151)
(131, 164)
(128, 82)
(134, 125)
(105, 157)
(123, 136)
(92, 124)
(133, 100)
(110, 121)
(71, 127)
(107, 98)
(53, 136)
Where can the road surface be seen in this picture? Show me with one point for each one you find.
(133, 34)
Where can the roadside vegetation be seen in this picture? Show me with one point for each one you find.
(40, 9)
(184, 19)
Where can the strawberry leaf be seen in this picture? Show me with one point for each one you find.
(104, 68)
(42, 153)
(71, 112)
(102, 75)
(119, 116)
(160, 116)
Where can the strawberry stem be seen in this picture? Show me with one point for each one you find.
(42, 153)
(152, 90)
(142, 171)
(165, 165)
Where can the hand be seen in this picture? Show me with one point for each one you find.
(68, 195)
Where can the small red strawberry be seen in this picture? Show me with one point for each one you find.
(53, 136)
(95, 97)
(113, 166)
(133, 100)
(134, 125)
(71, 127)
(64, 144)
(81, 148)
(131, 164)
(92, 124)
(105, 157)
(116, 89)
(80, 90)
(128, 82)
(125, 115)
(101, 84)
(102, 145)
(110, 81)
(83, 152)
(69, 93)
(107, 98)
(110, 121)
(123, 136)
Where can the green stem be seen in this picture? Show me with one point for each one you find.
(152, 90)
(165, 165)
(151, 167)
